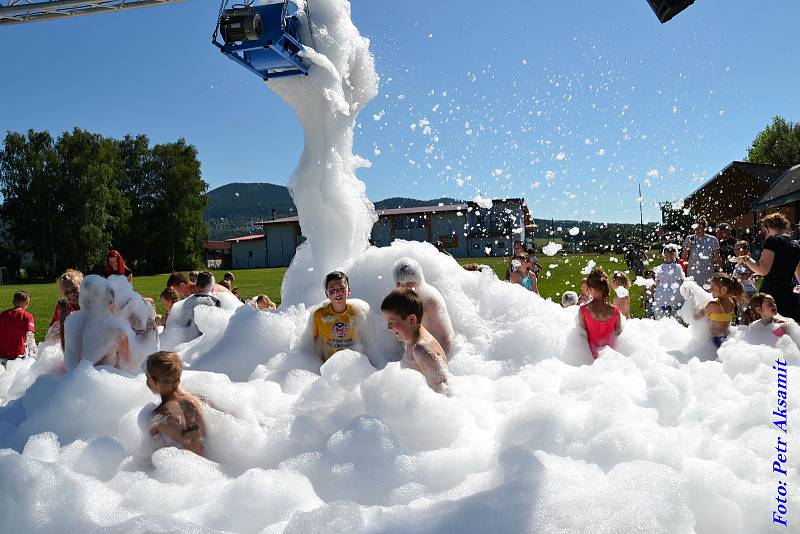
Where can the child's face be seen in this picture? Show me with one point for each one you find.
(584, 288)
(337, 291)
(71, 291)
(670, 256)
(166, 303)
(768, 309)
(403, 329)
(740, 251)
(717, 290)
(112, 262)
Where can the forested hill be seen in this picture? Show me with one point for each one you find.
(233, 208)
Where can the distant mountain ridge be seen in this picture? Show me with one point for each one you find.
(233, 208)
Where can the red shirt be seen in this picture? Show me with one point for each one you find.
(57, 316)
(14, 325)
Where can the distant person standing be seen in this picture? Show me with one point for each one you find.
(16, 330)
(115, 264)
(726, 245)
(778, 264)
(701, 251)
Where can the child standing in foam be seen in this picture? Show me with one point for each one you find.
(338, 324)
(521, 274)
(622, 299)
(404, 312)
(600, 319)
(17, 330)
(745, 276)
(669, 277)
(721, 311)
(178, 420)
(407, 273)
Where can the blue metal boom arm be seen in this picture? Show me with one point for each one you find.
(21, 11)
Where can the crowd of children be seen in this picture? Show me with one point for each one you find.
(415, 313)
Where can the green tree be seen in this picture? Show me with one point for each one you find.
(178, 230)
(778, 143)
(94, 208)
(33, 191)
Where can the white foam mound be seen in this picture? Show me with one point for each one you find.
(656, 439)
(663, 434)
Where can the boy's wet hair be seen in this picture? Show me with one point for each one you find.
(730, 283)
(165, 367)
(193, 276)
(598, 279)
(205, 280)
(336, 276)
(403, 302)
(20, 298)
(228, 276)
(650, 274)
(176, 279)
(170, 295)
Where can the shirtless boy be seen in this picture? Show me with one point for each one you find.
(178, 420)
(402, 309)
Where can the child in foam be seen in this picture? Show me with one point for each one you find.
(569, 298)
(404, 312)
(521, 273)
(585, 296)
(264, 303)
(69, 284)
(17, 330)
(648, 294)
(407, 273)
(178, 420)
(764, 308)
(600, 319)
(94, 333)
(721, 311)
(338, 324)
(168, 297)
(669, 277)
(621, 285)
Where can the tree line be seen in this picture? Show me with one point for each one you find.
(69, 200)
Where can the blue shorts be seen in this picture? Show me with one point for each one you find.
(718, 340)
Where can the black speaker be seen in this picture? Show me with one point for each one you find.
(666, 9)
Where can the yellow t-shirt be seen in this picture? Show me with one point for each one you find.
(337, 330)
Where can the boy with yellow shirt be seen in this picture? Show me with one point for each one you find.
(338, 324)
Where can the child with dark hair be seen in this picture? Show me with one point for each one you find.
(178, 420)
(720, 312)
(600, 319)
(168, 297)
(402, 309)
(669, 277)
(17, 330)
(229, 277)
(181, 284)
(337, 324)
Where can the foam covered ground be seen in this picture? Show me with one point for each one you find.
(533, 440)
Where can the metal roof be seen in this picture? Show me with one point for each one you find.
(253, 237)
(786, 189)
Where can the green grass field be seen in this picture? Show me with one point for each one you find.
(564, 275)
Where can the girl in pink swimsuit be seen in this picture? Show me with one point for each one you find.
(600, 319)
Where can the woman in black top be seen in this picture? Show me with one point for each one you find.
(778, 264)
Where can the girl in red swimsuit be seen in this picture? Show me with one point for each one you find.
(600, 319)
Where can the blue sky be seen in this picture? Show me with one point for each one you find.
(571, 104)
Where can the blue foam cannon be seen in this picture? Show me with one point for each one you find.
(264, 39)
(666, 9)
